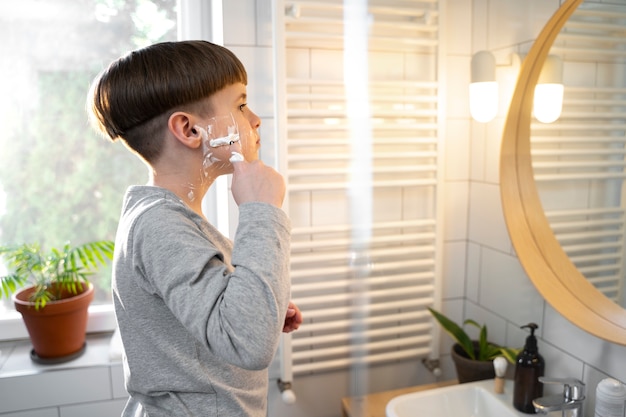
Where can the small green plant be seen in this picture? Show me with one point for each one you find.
(55, 273)
(487, 351)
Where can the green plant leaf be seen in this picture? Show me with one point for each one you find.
(457, 333)
(486, 351)
(10, 284)
(67, 268)
(510, 353)
(483, 350)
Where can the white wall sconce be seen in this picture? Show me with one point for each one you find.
(548, 100)
(483, 89)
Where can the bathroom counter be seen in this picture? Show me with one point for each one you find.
(373, 405)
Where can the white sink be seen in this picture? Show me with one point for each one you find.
(472, 399)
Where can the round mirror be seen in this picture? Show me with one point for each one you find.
(573, 253)
(578, 160)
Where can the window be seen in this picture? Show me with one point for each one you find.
(59, 180)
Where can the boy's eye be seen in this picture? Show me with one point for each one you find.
(241, 107)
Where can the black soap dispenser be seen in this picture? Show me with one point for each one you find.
(529, 366)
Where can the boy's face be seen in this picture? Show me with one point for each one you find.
(232, 100)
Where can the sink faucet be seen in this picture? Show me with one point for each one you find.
(570, 403)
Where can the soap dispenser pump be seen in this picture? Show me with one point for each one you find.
(529, 366)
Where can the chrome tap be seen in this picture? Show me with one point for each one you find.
(570, 403)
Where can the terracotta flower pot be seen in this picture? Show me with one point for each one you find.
(469, 370)
(56, 331)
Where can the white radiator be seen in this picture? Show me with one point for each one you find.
(360, 136)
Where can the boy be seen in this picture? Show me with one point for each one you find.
(199, 316)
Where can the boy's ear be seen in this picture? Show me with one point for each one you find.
(182, 127)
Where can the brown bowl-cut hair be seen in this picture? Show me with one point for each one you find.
(133, 98)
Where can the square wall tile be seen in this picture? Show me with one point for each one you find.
(505, 288)
(512, 22)
(55, 388)
(516, 336)
(264, 23)
(493, 143)
(496, 325)
(473, 271)
(457, 87)
(312, 392)
(395, 376)
(454, 269)
(456, 210)
(604, 356)
(559, 365)
(478, 141)
(458, 27)
(239, 22)
(480, 33)
(117, 381)
(42, 412)
(486, 219)
(111, 408)
(457, 150)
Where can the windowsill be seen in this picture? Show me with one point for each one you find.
(101, 319)
(15, 357)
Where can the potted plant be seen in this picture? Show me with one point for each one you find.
(54, 305)
(473, 359)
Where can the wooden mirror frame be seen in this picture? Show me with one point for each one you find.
(552, 272)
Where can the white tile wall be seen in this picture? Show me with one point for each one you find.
(486, 220)
(91, 385)
(456, 210)
(453, 269)
(457, 148)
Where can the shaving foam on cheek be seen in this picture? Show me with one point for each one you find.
(224, 141)
(209, 158)
(236, 157)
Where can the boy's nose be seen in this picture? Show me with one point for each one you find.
(255, 121)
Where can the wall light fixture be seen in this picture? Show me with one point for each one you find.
(548, 101)
(483, 89)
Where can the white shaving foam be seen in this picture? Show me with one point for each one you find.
(236, 157)
(226, 140)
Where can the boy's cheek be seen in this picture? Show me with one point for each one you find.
(218, 155)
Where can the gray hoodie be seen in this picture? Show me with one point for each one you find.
(199, 316)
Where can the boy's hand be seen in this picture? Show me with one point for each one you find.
(293, 318)
(256, 182)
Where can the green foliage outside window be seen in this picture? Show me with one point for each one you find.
(59, 180)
